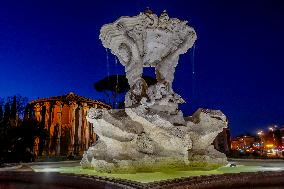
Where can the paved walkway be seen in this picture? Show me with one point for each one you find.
(39, 165)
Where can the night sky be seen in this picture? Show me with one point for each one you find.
(52, 47)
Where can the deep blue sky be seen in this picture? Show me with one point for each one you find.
(51, 47)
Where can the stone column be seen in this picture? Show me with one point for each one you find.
(38, 117)
(80, 130)
(86, 134)
(47, 115)
(58, 111)
(47, 127)
(91, 125)
(38, 109)
(73, 106)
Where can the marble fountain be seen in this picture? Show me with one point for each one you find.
(151, 133)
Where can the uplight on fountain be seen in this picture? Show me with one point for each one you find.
(151, 133)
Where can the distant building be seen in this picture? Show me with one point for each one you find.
(235, 144)
(243, 143)
(282, 135)
(269, 143)
(222, 142)
(64, 117)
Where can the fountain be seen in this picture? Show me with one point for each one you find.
(151, 133)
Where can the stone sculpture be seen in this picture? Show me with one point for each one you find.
(151, 132)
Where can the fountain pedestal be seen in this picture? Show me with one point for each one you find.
(151, 133)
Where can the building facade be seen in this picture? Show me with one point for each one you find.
(244, 144)
(64, 119)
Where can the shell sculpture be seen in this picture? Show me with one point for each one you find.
(147, 40)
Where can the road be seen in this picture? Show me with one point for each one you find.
(279, 163)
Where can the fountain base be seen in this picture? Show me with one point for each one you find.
(138, 140)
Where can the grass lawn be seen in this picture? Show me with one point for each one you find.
(157, 176)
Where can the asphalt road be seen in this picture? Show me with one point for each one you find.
(258, 162)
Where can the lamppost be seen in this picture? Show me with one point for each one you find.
(273, 145)
(273, 135)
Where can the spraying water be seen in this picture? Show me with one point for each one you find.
(116, 86)
(107, 65)
(107, 60)
(193, 72)
(193, 68)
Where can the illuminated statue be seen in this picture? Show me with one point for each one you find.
(151, 132)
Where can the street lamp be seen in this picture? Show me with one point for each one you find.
(261, 146)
